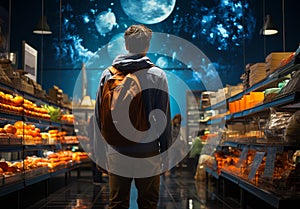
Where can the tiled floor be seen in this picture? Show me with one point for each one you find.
(180, 192)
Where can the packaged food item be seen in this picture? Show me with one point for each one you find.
(276, 125)
(292, 131)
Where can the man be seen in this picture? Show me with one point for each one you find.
(155, 96)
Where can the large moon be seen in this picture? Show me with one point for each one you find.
(148, 11)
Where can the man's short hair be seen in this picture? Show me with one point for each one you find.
(137, 38)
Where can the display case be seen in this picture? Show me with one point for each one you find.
(35, 145)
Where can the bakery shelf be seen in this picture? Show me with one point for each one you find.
(36, 147)
(11, 148)
(19, 181)
(269, 197)
(9, 188)
(36, 179)
(230, 177)
(32, 97)
(255, 146)
(10, 143)
(212, 172)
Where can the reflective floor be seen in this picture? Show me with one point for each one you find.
(72, 191)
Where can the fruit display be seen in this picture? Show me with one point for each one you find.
(68, 118)
(54, 112)
(52, 162)
(29, 149)
(19, 105)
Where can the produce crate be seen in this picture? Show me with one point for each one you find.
(23, 85)
(257, 73)
(15, 177)
(35, 172)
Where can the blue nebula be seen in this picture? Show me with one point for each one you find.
(217, 26)
(224, 24)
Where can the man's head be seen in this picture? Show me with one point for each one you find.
(137, 39)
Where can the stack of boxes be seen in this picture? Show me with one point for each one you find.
(56, 95)
(38, 90)
(274, 60)
(254, 73)
(257, 73)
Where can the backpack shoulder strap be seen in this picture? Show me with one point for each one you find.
(114, 70)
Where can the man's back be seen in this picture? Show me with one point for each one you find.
(141, 161)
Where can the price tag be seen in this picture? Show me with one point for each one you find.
(243, 157)
(256, 163)
(270, 162)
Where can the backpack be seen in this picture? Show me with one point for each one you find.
(120, 91)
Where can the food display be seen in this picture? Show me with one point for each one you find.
(68, 118)
(33, 166)
(30, 151)
(19, 105)
(259, 149)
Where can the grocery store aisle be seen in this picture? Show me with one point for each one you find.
(180, 192)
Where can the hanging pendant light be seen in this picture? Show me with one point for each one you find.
(42, 26)
(269, 28)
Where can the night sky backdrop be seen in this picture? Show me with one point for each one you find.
(226, 31)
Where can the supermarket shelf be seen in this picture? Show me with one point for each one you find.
(216, 121)
(222, 106)
(12, 90)
(265, 195)
(11, 147)
(8, 188)
(271, 79)
(28, 182)
(270, 198)
(230, 177)
(6, 115)
(255, 146)
(282, 102)
(212, 172)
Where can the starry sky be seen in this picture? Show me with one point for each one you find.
(226, 31)
(216, 28)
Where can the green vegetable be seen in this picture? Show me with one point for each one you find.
(54, 112)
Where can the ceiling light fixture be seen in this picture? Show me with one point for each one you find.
(269, 28)
(42, 26)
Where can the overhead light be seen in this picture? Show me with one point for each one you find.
(42, 27)
(269, 28)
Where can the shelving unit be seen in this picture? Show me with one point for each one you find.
(16, 147)
(193, 114)
(252, 190)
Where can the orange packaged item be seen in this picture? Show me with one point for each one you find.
(247, 101)
(231, 107)
(242, 104)
(237, 106)
(257, 97)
